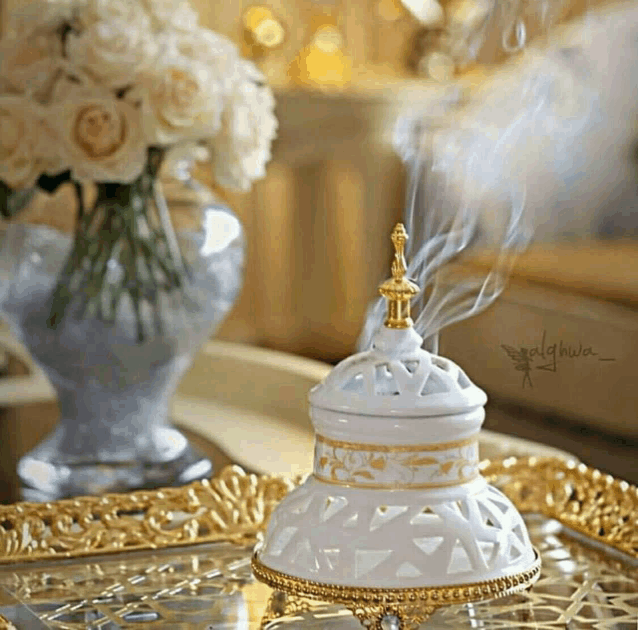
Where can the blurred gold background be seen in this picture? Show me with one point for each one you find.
(317, 226)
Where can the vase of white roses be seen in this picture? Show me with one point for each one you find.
(96, 96)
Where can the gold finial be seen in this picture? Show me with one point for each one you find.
(398, 290)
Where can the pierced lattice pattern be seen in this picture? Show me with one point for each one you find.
(322, 533)
(421, 377)
(397, 376)
(413, 380)
(579, 587)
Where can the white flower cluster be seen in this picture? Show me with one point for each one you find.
(89, 85)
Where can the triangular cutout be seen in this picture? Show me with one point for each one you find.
(518, 545)
(281, 541)
(464, 381)
(331, 556)
(351, 521)
(427, 518)
(385, 515)
(384, 382)
(411, 366)
(515, 553)
(491, 514)
(355, 384)
(459, 560)
(442, 363)
(518, 532)
(503, 506)
(301, 505)
(365, 560)
(434, 385)
(430, 544)
(488, 550)
(463, 509)
(500, 501)
(332, 506)
(408, 570)
(304, 557)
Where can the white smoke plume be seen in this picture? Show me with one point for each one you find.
(545, 149)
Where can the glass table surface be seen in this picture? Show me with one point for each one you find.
(210, 587)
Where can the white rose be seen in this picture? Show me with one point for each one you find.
(101, 137)
(112, 51)
(30, 63)
(182, 99)
(180, 159)
(201, 44)
(93, 11)
(20, 164)
(242, 148)
(38, 15)
(171, 14)
(31, 49)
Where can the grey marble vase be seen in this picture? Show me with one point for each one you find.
(114, 390)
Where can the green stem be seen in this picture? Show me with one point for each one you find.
(167, 229)
(129, 224)
(79, 195)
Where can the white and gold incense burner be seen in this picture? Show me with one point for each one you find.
(396, 519)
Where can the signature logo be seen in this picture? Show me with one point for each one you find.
(527, 358)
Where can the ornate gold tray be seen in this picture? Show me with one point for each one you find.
(180, 558)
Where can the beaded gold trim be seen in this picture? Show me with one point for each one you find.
(411, 605)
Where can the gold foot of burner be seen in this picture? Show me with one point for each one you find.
(283, 605)
(398, 617)
(396, 609)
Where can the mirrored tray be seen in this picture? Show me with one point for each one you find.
(180, 558)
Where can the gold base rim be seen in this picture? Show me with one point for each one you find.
(411, 605)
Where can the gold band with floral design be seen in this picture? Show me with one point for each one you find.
(392, 467)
